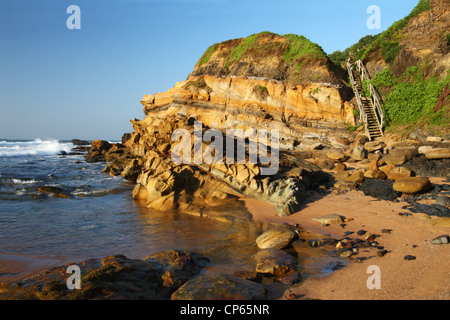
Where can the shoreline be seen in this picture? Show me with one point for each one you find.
(14, 267)
(426, 277)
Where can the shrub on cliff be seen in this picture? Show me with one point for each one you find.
(412, 97)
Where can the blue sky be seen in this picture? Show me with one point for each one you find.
(63, 84)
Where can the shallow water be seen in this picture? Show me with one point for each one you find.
(101, 219)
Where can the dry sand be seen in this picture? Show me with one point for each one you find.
(426, 277)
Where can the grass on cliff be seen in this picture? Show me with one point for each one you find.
(207, 55)
(388, 41)
(411, 99)
(295, 49)
(300, 48)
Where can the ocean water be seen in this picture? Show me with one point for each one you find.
(101, 218)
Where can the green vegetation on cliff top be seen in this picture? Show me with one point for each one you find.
(387, 41)
(295, 49)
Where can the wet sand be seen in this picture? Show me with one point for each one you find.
(426, 277)
(14, 267)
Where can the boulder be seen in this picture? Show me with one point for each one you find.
(336, 155)
(443, 201)
(399, 173)
(177, 267)
(359, 153)
(439, 153)
(357, 176)
(375, 174)
(424, 149)
(100, 146)
(444, 239)
(340, 167)
(219, 287)
(279, 237)
(282, 265)
(78, 142)
(55, 191)
(412, 185)
(380, 189)
(372, 146)
(433, 139)
(400, 155)
(330, 219)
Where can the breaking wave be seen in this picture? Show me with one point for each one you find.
(31, 148)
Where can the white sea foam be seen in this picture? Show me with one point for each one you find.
(21, 181)
(35, 147)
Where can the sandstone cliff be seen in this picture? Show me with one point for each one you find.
(264, 81)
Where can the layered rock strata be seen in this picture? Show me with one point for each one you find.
(165, 184)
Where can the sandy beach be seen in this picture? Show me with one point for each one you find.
(426, 277)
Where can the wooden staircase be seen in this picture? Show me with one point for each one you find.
(370, 109)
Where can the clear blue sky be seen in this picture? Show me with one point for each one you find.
(63, 84)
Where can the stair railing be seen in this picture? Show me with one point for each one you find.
(362, 113)
(374, 98)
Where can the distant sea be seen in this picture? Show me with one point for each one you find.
(101, 219)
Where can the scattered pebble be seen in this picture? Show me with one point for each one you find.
(361, 232)
(406, 214)
(344, 252)
(292, 296)
(315, 243)
(382, 253)
(409, 257)
(444, 239)
(386, 231)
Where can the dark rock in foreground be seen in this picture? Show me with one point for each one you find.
(431, 168)
(111, 278)
(281, 265)
(431, 210)
(219, 287)
(380, 189)
(177, 267)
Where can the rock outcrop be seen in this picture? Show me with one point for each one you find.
(112, 278)
(165, 184)
(264, 82)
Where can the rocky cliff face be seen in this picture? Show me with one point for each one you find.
(265, 81)
(422, 37)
